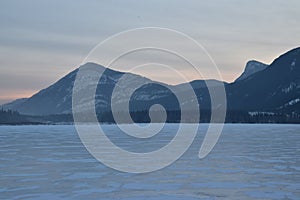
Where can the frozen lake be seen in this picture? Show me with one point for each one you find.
(248, 162)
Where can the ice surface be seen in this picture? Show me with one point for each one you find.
(248, 162)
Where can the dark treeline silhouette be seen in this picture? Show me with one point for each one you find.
(13, 117)
(205, 117)
(175, 117)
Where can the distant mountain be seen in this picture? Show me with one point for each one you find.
(57, 99)
(52, 100)
(273, 88)
(14, 104)
(251, 68)
(276, 89)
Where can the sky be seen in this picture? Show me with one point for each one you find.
(43, 40)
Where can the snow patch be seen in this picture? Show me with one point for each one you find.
(260, 113)
(289, 88)
(292, 102)
(293, 64)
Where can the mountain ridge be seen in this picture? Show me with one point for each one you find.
(271, 88)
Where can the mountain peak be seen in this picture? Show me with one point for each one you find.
(92, 64)
(96, 66)
(252, 67)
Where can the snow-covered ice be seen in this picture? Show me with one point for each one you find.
(248, 162)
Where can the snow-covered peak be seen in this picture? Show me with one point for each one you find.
(252, 67)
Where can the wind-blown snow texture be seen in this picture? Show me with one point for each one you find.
(248, 162)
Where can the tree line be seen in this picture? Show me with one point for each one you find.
(13, 117)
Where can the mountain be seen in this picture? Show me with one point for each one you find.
(251, 68)
(273, 88)
(57, 99)
(14, 104)
(52, 100)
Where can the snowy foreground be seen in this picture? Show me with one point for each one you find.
(248, 162)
